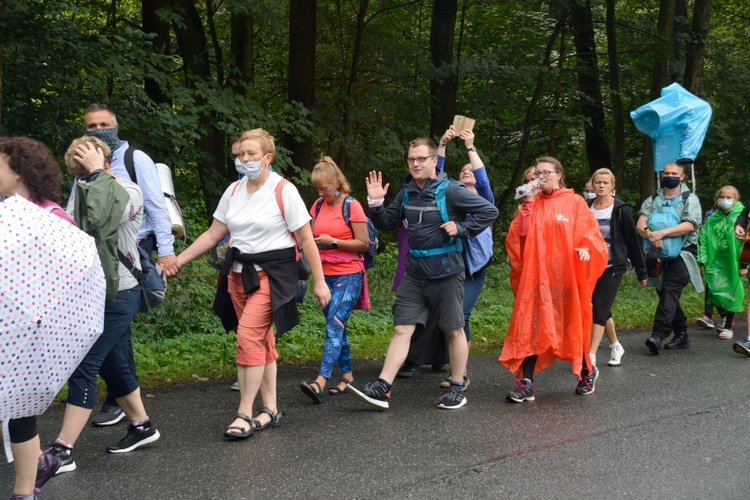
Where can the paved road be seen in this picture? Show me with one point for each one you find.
(667, 426)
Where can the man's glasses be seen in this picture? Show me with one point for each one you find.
(418, 159)
(544, 173)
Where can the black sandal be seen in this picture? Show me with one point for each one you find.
(274, 422)
(335, 391)
(245, 433)
(309, 390)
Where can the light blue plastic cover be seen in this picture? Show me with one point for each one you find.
(676, 122)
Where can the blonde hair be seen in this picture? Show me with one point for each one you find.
(528, 171)
(74, 166)
(327, 170)
(603, 171)
(265, 140)
(730, 188)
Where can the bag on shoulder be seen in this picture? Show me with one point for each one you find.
(150, 277)
(372, 233)
(662, 217)
(167, 188)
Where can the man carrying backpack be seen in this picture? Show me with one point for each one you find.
(669, 222)
(156, 230)
(435, 210)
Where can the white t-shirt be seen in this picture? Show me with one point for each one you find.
(255, 221)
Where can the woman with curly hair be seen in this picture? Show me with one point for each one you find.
(28, 169)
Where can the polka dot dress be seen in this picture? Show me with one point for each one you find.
(52, 291)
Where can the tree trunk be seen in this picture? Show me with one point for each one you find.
(444, 81)
(242, 49)
(528, 121)
(696, 48)
(341, 157)
(618, 120)
(152, 24)
(592, 109)
(662, 51)
(552, 142)
(191, 39)
(301, 83)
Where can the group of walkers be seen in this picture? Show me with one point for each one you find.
(568, 255)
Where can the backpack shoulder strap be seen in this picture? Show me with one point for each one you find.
(318, 205)
(130, 164)
(279, 188)
(440, 201)
(235, 186)
(346, 210)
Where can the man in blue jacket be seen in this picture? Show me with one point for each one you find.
(434, 210)
(156, 231)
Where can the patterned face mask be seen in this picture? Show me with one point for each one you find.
(107, 135)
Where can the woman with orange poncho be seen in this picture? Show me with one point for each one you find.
(556, 253)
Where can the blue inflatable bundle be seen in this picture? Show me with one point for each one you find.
(676, 122)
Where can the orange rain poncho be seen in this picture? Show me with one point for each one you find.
(552, 310)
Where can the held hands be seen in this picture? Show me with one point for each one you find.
(375, 188)
(169, 264)
(322, 293)
(743, 272)
(583, 253)
(643, 283)
(739, 233)
(89, 156)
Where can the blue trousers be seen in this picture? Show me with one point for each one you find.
(345, 291)
(107, 356)
(472, 288)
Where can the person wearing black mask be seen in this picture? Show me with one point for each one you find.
(677, 242)
(156, 231)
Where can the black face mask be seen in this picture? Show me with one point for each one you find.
(670, 182)
(107, 135)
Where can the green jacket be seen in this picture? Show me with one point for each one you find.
(718, 253)
(99, 204)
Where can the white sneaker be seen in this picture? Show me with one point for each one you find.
(725, 334)
(615, 355)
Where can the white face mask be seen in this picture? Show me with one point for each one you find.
(589, 196)
(250, 169)
(725, 204)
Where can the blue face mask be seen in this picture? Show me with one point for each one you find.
(250, 169)
(107, 135)
(725, 204)
(670, 182)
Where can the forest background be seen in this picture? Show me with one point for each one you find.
(357, 80)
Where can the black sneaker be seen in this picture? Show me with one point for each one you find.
(48, 465)
(408, 371)
(65, 455)
(524, 392)
(587, 383)
(108, 415)
(452, 400)
(372, 393)
(134, 438)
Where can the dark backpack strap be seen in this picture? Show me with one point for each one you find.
(130, 164)
(318, 205)
(346, 212)
(137, 274)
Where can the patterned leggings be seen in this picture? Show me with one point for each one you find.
(345, 291)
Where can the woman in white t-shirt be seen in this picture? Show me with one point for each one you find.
(265, 214)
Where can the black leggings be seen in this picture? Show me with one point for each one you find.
(22, 429)
(529, 362)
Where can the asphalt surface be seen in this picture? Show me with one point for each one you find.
(667, 426)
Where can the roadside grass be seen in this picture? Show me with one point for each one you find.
(182, 339)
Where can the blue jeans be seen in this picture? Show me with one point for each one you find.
(107, 356)
(472, 288)
(345, 291)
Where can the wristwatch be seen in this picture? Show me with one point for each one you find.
(335, 243)
(471, 148)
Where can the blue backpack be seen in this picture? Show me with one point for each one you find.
(664, 215)
(454, 244)
(372, 233)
